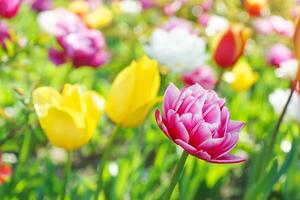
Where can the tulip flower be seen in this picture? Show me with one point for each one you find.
(277, 54)
(99, 18)
(134, 92)
(69, 119)
(79, 7)
(255, 7)
(146, 4)
(9, 8)
(41, 5)
(84, 48)
(242, 77)
(197, 120)
(4, 34)
(60, 22)
(178, 50)
(204, 76)
(5, 171)
(230, 46)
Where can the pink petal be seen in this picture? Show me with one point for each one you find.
(186, 119)
(175, 127)
(186, 146)
(171, 95)
(227, 159)
(159, 121)
(212, 114)
(200, 134)
(235, 126)
(57, 57)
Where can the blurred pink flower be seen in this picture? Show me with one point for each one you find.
(282, 26)
(295, 12)
(9, 8)
(172, 8)
(60, 22)
(4, 34)
(175, 22)
(203, 19)
(197, 120)
(204, 76)
(207, 5)
(85, 48)
(262, 26)
(41, 5)
(146, 4)
(277, 54)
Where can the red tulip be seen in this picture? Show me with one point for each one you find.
(255, 7)
(230, 47)
(5, 171)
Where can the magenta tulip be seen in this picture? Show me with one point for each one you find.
(204, 76)
(197, 120)
(86, 48)
(9, 8)
(4, 34)
(41, 5)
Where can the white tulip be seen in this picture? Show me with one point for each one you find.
(179, 50)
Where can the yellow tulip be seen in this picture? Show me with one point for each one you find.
(79, 7)
(242, 77)
(99, 18)
(134, 92)
(69, 119)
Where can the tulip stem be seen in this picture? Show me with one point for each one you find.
(103, 159)
(219, 80)
(271, 145)
(68, 168)
(176, 174)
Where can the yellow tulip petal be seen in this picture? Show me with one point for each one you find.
(138, 116)
(99, 18)
(147, 82)
(95, 104)
(72, 98)
(244, 77)
(44, 98)
(62, 130)
(120, 97)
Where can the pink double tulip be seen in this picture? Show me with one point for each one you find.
(4, 34)
(197, 120)
(9, 8)
(85, 48)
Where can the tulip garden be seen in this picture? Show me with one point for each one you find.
(149, 99)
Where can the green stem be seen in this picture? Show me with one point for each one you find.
(219, 80)
(269, 150)
(176, 174)
(68, 168)
(103, 159)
